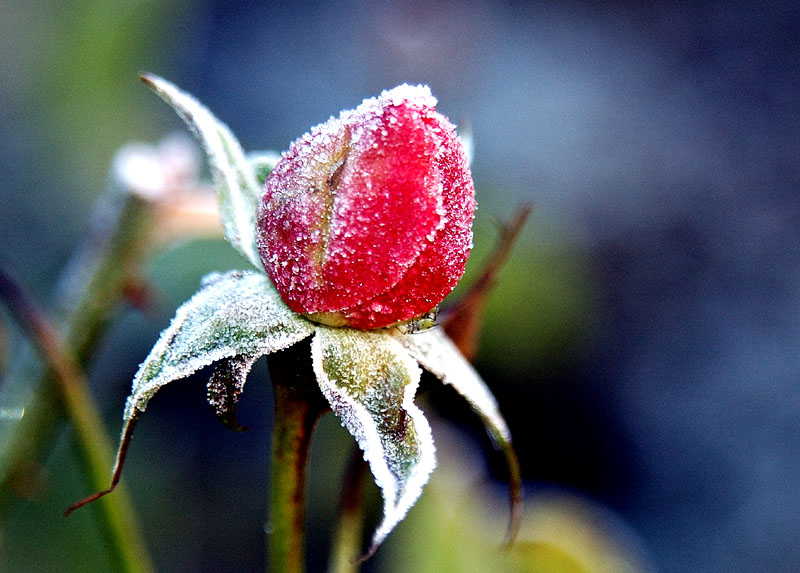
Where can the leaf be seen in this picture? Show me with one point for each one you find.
(262, 163)
(370, 382)
(439, 356)
(235, 181)
(233, 319)
(225, 387)
(234, 314)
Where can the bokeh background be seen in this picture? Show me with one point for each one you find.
(643, 341)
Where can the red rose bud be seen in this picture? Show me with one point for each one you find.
(366, 221)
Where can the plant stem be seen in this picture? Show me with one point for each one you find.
(96, 282)
(107, 269)
(463, 322)
(298, 406)
(350, 525)
(119, 524)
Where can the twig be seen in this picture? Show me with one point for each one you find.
(118, 520)
(298, 406)
(95, 283)
(462, 323)
(347, 540)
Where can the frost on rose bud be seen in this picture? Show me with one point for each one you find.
(366, 221)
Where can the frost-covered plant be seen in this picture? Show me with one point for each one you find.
(367, 219)
(359, 231)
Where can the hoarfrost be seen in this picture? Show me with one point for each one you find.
(438, 355)
(370, 382)
(233, 173)
(225, 387)
(234, 314)
(322, 203)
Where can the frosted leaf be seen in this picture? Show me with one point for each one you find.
(261, 164)
(225, 387)
(233, 319)
(234, 179)
(233, 314)
(370, 382)
(438, 355)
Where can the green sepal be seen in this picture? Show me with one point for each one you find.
(261, 164)
(234, 177)
(437, 354)
(225, 387)
(236, 314)
(370, 382)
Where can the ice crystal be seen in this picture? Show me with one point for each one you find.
(234, 314)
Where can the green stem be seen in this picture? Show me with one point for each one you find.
(347, 540)
(96, 282)
(107, 268)
(298, 407)
(119, 525)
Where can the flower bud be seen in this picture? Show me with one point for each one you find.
(366, 221)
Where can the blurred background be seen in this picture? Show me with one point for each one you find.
(643, 340)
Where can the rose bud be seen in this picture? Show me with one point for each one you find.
(366, 221)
